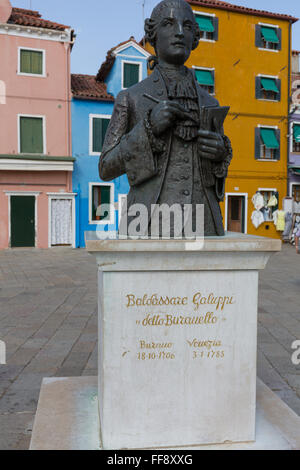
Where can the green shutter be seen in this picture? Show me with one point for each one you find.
(269, 84)
(296, 129)
(131, 75)
(101, 195)
(100, 126)
(105, 199)
(31, 62)
(31, 135)
(205, 23)
(25, 62)
(269, 138)
(97, 134)
(204, 77)
(269, 34)
(37, 62)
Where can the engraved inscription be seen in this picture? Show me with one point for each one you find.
(161, 316)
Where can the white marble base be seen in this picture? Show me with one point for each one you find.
(67, 419)
(177, 339)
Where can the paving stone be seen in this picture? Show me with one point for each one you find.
(19, 401)
(18, 428)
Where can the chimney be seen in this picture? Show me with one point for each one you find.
(5, 10)
(295, 62)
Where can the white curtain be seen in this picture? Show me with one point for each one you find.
(61, 222)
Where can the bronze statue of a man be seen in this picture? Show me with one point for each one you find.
(159, 142)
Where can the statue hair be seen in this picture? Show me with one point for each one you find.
(152, 23)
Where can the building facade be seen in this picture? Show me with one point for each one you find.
(244, 60)
(92, 106)
(36, 200)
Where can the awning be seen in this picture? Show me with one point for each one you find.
(204, 77)
(269, 138)
(269, 34)
(294, 169)
(296, 129)
(269, 84)
(205, 23)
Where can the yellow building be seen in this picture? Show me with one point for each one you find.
(244, 60)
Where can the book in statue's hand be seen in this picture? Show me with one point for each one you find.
(212, 118)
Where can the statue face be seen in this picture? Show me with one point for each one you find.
(175, 35)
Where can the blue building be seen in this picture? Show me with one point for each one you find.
(92, 106)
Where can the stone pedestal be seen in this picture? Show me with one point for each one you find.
(177, 339)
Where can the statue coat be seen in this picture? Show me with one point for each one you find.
(128, 149)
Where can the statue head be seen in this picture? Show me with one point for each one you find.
(173, 31)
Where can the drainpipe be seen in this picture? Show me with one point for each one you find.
(69, 98)
(288, 110)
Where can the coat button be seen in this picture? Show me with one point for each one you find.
(127, 157)
(156, 79)
(186, 160)
(186, 192)
(160, 92)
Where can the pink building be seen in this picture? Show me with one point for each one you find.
(36, 199)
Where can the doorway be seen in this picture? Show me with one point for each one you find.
(22, 221)
(61, 222)
(236, 206)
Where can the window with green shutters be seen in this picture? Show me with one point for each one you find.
(268, 37)
(206, 79)
(131, 74)
(208, 26)
(31, 62)
(99, 125)
(296, 137)
(100, 194)
(268, 88)
(267, 143)
(31, 134)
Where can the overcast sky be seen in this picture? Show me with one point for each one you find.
(102, 24)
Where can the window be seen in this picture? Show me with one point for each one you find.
(267, 88)
(208, 26)
(296, 192)
(98, 127)
(296, 138)
(206, 78)
(31, 134)
(131, 74)
(101, 194)
(268, 37)
(267, 143)
(31, 62)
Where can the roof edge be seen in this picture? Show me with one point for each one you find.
(242, 9)
(107, 65)
(18, 156)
